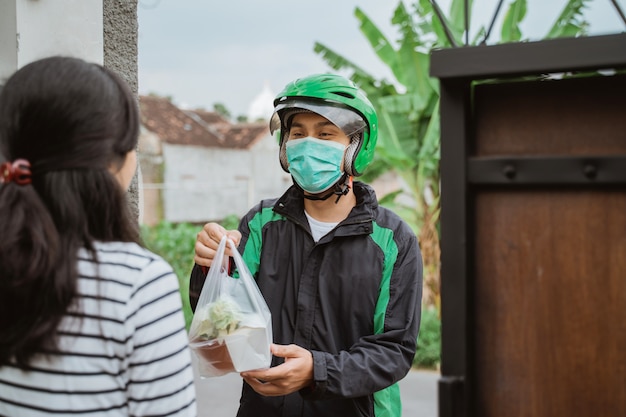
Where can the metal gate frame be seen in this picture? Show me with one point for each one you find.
(457, 69)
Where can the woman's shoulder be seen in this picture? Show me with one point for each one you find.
(123, 259)
(128, 252)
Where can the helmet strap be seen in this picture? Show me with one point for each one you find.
(341, 188)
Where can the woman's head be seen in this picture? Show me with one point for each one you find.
(68, 131)
(63, 113)
(76, 123)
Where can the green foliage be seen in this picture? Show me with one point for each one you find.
(175, 243)
(230, 222)
(408, 106)
(221, 109)
(409, 120)
(428, 353)
(510, 27)
(570, 22)
(218, 319)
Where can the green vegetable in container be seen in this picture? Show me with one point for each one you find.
(219, 319)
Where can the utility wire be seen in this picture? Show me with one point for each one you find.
(444, 23)
(493, 21)
(467, 23)
(619, 10)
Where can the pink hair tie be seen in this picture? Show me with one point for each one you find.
(18, 172)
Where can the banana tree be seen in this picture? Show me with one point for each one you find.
(408, 106)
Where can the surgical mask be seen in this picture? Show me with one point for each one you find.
(315, 164)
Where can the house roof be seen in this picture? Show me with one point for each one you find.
(210, 117)
(243, 135)
(197, 127)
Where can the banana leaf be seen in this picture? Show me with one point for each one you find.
(570, 22)
(510, 27)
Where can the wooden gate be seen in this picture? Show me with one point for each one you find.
(533, 222)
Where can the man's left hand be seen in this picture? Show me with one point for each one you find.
(292, 375)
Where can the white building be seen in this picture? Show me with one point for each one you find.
(262, 106)
(199, 167)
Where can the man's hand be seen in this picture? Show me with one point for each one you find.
(207, 241)
(294, 374)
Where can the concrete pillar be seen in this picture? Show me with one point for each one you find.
(120, 30)
(102, 31)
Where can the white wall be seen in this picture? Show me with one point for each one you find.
(34, 29)
(8, 39)
(202, 184)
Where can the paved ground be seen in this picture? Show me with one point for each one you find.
(219, 397)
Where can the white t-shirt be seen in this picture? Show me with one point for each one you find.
(123, 345)
(318, 228)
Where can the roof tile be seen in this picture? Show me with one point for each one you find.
(197, 127)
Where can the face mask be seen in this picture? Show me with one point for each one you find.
(315, 164)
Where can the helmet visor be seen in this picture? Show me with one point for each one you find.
(347, 120)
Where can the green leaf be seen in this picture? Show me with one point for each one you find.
(412, 66)
(570, 22)
(479, 35)
(430, 146)
(389, 198)
(405, 103)
(440, 23)
(377, 39)
(416, 67)
(440, 34)
(457, 18)
(428, 354)
(392, 147)
(337, 61)
(429, 153)
(510, 27)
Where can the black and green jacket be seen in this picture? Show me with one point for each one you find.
(353, 299)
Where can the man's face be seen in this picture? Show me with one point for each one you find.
(313, 125)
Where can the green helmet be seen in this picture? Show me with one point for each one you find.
(337, 99)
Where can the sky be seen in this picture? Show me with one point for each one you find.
(202, 52)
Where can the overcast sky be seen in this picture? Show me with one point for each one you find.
(205, 52)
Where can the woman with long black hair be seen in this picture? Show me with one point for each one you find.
(91, 323)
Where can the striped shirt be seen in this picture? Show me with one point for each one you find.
(123, 346)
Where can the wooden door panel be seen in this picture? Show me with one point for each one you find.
(549, 301)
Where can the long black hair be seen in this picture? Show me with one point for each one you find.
(74, 122)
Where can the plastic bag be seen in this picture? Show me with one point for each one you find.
(231, 329)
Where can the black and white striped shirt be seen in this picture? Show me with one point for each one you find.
(123, 346)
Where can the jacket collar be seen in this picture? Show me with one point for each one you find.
(291, 204)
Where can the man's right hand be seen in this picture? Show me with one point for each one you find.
(208, 239)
